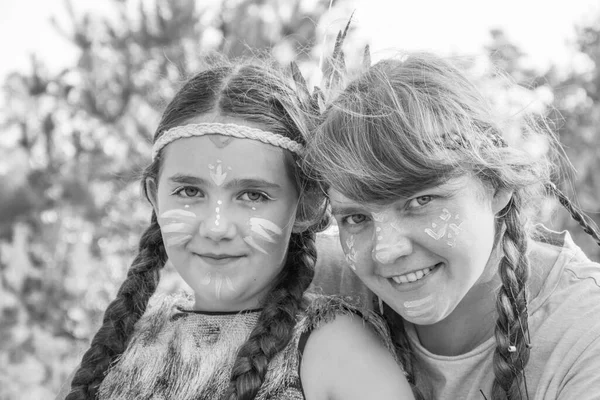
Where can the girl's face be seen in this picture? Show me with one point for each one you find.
(225, 207)
(423, 254)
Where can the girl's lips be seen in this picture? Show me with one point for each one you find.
(408, 286)
(219, 259)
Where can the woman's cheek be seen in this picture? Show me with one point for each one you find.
(356, 250)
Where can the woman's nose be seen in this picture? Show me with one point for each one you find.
(391, 243)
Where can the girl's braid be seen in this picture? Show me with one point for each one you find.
(275, 326)
(575, 213)
(512, 335)
(121, 315)
(403, 349)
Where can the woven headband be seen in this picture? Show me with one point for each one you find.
(234, 130)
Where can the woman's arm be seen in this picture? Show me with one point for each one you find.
(345, 359)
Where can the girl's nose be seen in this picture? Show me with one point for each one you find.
(217, 226)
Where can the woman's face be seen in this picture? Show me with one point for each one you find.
(226, 207)
(421, 255)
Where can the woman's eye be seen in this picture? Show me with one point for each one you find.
(187, 191)
(420, 201)
(354, 219)
(254, 196)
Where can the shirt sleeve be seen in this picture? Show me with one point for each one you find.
(582, 382)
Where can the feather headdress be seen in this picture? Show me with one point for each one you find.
(334, 74)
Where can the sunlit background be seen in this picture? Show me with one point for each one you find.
(84, 82)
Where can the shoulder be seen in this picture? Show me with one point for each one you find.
(564, 318)
(348, 355)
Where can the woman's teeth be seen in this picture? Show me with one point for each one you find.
(412, 276)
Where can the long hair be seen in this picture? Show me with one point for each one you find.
(406, 125)
(256, 92)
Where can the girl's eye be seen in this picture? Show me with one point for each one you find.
(187, 191)
(420, 201)
(354, 219)
(254, 196)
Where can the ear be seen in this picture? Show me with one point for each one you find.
(152, 193)
(501, 199)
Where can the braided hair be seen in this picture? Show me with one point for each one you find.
(257, 92)
(412, 123)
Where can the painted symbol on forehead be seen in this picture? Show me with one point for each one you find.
(177, 226)
(220, 141)
(217, 174)
(351, 254)
(263, 229)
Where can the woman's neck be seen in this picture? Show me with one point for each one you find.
(474, 319)
(470, 324)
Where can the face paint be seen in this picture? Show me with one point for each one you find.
(385, 252)
(262, 229)
(351, 253)
(217, 174)
(177, 226)
(419, 307)
(220, 141)
(218, 280)
(224, 170)
(218, 212)
(438, 233)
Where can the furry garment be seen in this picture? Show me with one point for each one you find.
(178, 354)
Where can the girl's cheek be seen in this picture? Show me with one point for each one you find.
(178, 226)
(262, 234)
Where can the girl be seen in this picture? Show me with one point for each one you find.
(431, 204)
(236, 217)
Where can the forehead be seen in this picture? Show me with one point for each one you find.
(465, 185)
(238, 157)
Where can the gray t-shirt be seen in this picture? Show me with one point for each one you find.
(564, 326)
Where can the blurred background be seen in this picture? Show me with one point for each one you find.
(83, 84)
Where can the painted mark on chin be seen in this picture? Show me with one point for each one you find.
(418, 303)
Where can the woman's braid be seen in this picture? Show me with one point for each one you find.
(512, 335)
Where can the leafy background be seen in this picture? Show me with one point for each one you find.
(73, 142)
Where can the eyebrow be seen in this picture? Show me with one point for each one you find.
(346, 209)
(244, 182)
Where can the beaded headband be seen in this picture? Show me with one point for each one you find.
(233, 130)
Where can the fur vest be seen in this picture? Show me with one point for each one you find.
(179, 354)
